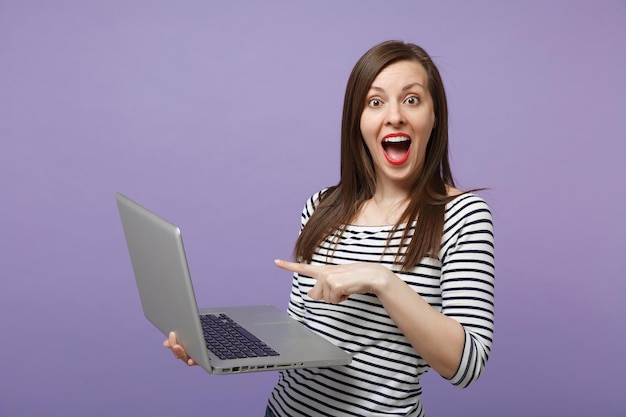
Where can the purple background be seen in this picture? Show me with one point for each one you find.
(224, 117)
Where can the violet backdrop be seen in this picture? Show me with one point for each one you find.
(224, 117)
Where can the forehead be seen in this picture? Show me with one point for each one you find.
(400, 74)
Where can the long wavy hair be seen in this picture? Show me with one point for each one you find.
(340, 204)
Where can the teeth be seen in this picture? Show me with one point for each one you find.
(396, 139)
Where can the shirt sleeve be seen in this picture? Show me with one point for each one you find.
(468, 282)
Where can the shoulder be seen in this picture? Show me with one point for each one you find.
(468, 223)
(467, 208)
(314, 200)
(311, 204)
(466, 200)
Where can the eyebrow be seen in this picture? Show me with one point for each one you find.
(405, 88)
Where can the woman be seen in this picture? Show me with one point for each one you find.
(395, 264)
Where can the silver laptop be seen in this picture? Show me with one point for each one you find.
(221, 340)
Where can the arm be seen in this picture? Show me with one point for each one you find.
(467, 284)
(456, 341)
(437, 338)
(434, 336)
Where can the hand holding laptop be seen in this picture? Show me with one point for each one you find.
(178, 351)
(222, 340)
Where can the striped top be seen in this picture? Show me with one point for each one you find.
(384, 376)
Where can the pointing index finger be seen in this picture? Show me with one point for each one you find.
(303, 269)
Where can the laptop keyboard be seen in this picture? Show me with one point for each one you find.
(228, 340)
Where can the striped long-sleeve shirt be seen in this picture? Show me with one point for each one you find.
(384, 376)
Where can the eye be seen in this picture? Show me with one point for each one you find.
(412, 100)
(374, 102)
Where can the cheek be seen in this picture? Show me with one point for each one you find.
(369, 129)
(365, 133)
(424, 144)
(369, 139)
(363, 126)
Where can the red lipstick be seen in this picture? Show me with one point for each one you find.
(396, 147)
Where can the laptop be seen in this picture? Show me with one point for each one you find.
(264, 337)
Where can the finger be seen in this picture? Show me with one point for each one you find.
(321, 292)
(171, 339)
(316, 293)
(300, 268)
(178, 350)
(328, 295)
(179, 353)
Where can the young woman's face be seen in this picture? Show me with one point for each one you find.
(397, 121)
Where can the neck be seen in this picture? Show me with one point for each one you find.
(384, 208)
(390, 193)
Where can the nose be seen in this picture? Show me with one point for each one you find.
(394, 116)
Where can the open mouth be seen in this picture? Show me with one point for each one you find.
(396, 148)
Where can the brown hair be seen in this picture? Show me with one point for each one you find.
(339, 205)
